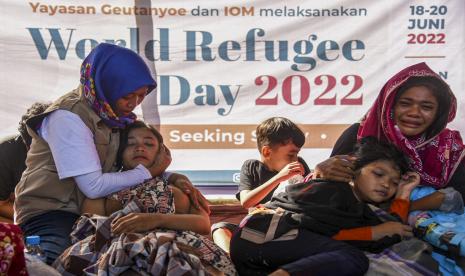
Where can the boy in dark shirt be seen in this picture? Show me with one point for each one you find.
(299, 232)
(279, 141)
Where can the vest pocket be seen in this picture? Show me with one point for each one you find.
(102, 143)
(101, 138)
(106, 144)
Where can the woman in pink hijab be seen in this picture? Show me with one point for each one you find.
(412, 111)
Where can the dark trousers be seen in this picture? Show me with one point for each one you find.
(308, 254)
(53, 228)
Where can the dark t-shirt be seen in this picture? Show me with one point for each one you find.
(254, 173)
(12, 164)
(346, 142)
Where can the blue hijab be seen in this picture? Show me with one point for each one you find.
(109, 73)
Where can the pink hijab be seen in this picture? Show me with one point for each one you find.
(435, 157)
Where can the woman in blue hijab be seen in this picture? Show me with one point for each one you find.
(115, 80)
(75, 144)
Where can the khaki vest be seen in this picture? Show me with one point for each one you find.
(40, 190)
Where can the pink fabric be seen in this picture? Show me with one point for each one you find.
(434, 158)
(12, 260)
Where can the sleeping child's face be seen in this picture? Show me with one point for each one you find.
(377, 181)
(142, 148)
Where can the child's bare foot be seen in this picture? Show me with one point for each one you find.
(280, 272)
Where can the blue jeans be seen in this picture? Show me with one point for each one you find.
(53, 228)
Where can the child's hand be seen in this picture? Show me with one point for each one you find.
(408, 182)
(291, 169)
(391, 228)
(135, 222)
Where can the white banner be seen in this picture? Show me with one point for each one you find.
(224, 66)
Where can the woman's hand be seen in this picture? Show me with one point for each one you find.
(162, 161)
(135, 222)
(291, 169)
(195, 196)
(408, 182)
(336, 168)
(391, 228)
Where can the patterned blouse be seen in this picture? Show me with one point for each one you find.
(152, 196)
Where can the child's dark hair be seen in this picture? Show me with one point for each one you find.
(279, 130)
(369, 150)
(35, 109)
(439, 89)
(125, 134)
